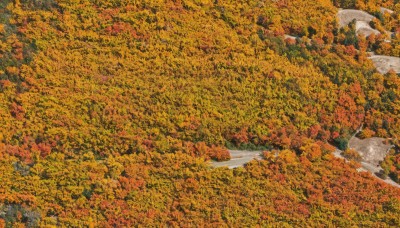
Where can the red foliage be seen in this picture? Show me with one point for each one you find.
(121, 27)
(22, 153)
(350, 50)
(44, 149)
(17, 111)
(314, 130)
(241, 137)
(219, 153)
(290, 41)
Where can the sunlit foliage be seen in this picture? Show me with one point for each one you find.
(110, 110)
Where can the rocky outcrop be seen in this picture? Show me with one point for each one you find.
(372, 152)
(385, 63)
(364, 29)
(382, 63)
(386, 10)
(348, 15)
(362, 22)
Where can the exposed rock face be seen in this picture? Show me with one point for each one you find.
(238, 158)
(382, 63)
(385, 10)
(364, 29)
(372, 150)
(348, 15)
(290, 37)
(362, 22)
(385, 63)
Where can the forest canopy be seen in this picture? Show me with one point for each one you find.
(111, 110)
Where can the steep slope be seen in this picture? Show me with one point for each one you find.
(111, 109)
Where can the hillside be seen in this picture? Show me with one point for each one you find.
(111, 110)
